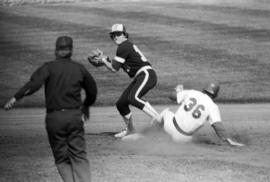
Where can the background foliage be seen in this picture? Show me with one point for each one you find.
(191, 43)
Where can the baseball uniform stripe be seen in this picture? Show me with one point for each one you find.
(179, 129)
(119, 59)
(141, 87)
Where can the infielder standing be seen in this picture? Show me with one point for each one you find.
(64, 79)
(133, 62)
(195, 108)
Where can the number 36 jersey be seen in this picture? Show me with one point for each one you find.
(195, 109)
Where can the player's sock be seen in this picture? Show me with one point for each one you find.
(149, 110)
(129, 123)
(129, 126)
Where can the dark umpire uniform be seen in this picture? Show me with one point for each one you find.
(64, 79)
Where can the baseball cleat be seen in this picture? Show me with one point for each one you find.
(132, 137)
(121, 134)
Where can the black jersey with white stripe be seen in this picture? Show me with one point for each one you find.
(131, 58)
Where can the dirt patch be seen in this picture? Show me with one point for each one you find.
(25, 154)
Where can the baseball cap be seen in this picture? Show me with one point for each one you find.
(64, 42)
(118, 28)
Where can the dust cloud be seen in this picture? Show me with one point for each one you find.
(157, 142)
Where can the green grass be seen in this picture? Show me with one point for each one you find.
(186, 43)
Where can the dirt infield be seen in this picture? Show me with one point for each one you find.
(25, 153)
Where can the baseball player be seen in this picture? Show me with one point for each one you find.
(134, 63)
(64, 79)
(195, 108)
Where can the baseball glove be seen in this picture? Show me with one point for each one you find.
(95, 58)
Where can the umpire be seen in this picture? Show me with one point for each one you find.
(64, 79)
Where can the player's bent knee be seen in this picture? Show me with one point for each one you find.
(167, 115)
(122, 109)
(136, 103)
(120, 105)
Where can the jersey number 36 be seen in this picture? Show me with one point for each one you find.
(195, 108)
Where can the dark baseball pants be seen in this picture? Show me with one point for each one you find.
(66, 136)
(132, 95)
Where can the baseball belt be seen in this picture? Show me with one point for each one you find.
(179, 129)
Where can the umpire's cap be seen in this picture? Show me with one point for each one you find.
(212, 90)
(64, 42)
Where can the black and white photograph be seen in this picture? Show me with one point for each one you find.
(135, 90)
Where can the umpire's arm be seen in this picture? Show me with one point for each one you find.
(90, 87)
(36, 81)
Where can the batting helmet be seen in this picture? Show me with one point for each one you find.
(118, 29)
(212, 90)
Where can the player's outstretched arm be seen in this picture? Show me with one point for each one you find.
(222, 134)
(174, 95)
(109, 64)
(97, 59)
(177, 89)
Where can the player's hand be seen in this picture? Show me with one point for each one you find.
(233, 143)
(96, 58)
(99, 53)
(101, 56)
(10, 103)
(179, 88)
(85, 114)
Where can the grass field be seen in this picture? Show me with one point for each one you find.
(25, 155)
(189, 42)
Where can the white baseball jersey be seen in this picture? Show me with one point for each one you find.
(195, 109)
